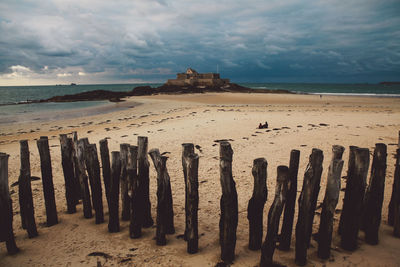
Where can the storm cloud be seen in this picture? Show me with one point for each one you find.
(87, 41)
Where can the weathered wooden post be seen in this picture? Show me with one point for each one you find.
(398, 144)
(187, 149)
(113, 223)
(6, 212)
(330, 201)
(106, 169)
(374, 195)
(192, 185)
(83, 179)
(135, 227)
(47, 180)
(350, 168)
(144, 181)
(160, 165)
(93, 168)
(356, 189)
(394, 205)
(288, 215)
(274, 215)
(78, 192)
(312, 177)
(166, 217)
(25, 192)
(255, 207)
(126, 209)
(68, 169)
(229, 205)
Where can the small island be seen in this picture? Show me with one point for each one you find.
(190, 82)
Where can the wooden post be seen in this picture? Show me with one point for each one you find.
(330, 201)
(106, 169)
(25, 192)
(315, 186)
(164, 191)
(374, 195)
(83, 179)
(398, 144)
(274, 215)
(6, 212)
(312, 177)
(229, 205)
(144, 181)
(160, 165)
(47, 180)
(192, 185)
(187, 149)
(68, 169)
(255, 207)
(113, 224)
(78, 192)
(350, 168)
(93, 168)
(135, 227)
(394, 205)
(126, 209)
(288, 215)
(356, 190)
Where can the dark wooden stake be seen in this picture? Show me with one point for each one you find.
(187, 149)
(394, 205)
(144, 181)
(350, 168)
(255, 207)
(355, 189)
(113, 224)
(160, 166)
(126, 209)
(93, 168)
(274, 215)
(135, 227)
(83, 179)
(25, 192)
(106, 169)
(68, 169)
(330, 201)
(229, 205)
(398, 143)
(285, 237)
(78, 192)
(312, 177)
(47, 180)
(162, 171)
(6, 211)
(192, 186)
(374, 195)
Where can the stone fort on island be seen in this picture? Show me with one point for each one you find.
(192, 77)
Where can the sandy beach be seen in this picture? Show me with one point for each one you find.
(298, 122)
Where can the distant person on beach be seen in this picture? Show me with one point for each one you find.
(263, 126)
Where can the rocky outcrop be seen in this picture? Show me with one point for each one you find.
(163, 89)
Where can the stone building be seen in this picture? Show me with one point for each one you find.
(192, 77)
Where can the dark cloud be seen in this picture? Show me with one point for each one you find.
(254, 41)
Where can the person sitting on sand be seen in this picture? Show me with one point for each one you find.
(263, 126)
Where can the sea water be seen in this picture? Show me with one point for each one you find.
(13, 111)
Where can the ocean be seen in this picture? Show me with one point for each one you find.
(12, 111)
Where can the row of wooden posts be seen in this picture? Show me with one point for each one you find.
(128, 175)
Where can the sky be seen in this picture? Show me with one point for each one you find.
(135, 41)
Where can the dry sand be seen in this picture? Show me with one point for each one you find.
(296, 122)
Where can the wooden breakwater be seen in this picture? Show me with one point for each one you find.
(125, 180)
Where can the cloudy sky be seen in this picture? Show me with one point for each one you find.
(93, 41)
